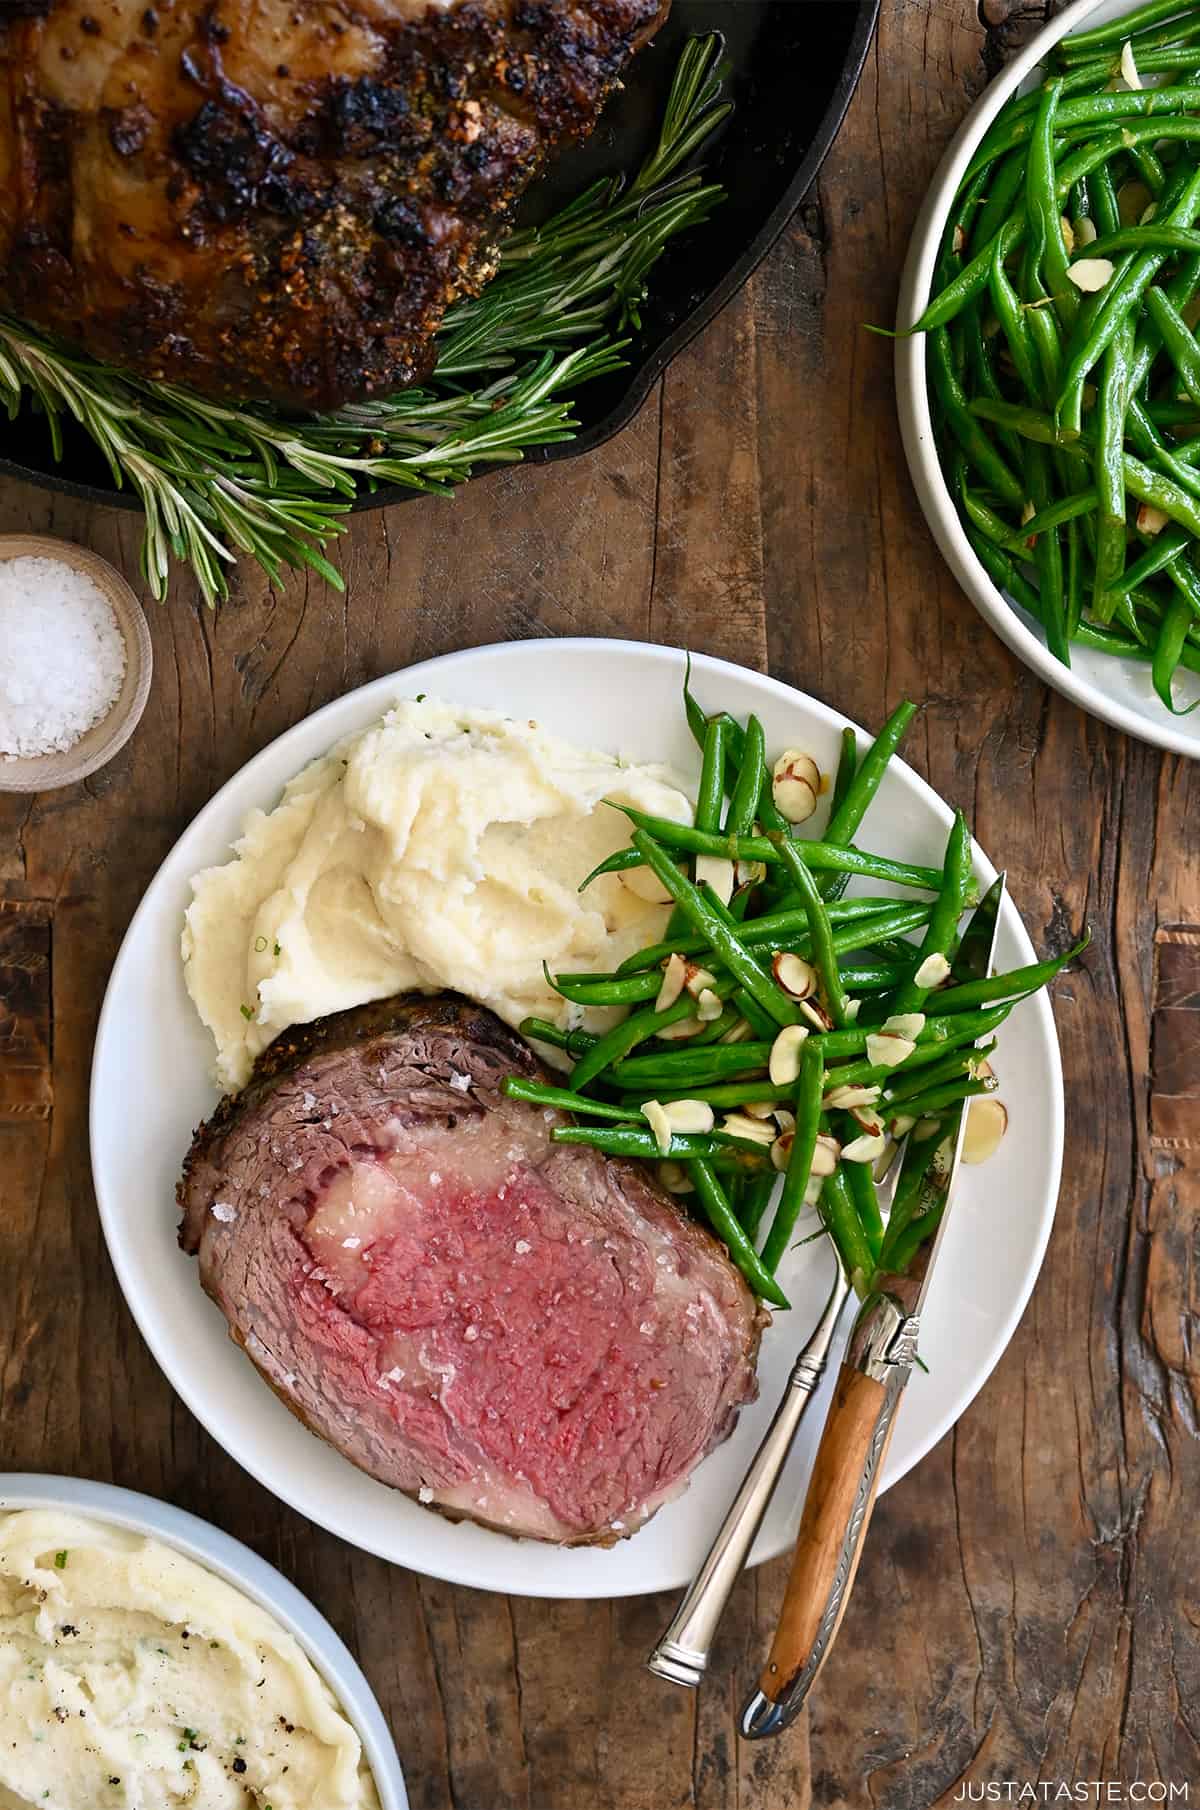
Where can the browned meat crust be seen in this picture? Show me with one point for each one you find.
(279, 198)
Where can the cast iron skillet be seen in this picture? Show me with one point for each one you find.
(792, 67)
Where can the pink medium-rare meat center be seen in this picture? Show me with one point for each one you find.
(483, 1316)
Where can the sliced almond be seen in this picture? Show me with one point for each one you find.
(1148, 214)
(1085, 232)
(924, 1129)
(1151, 520)
(864, 1149)
(708, 1006)
(901, 1125)
(674, 1177)
(958, 238)
(716, 872)
(853, 1008)
(845, 1097)
(690, 1115)
(741, 1032)
(655, 1115)
(825, 1155)
(816, 1014)
(905, 1024)
(781, 1149)
(868, 1121)
(1090, 274)
(674, 975)
(1068, 232)
(1133, 198)
(681, 1029)
(785, 1054)
(1129, 69)
(748, 873)
(981, 1069)
(759, 1109)
(754, 1131)
(698, 980)
(812, 1192)
(932, 972)
(785, 1120)
(793, 974)
(644, 884)
(987, 1122)
(796, 785)
(886, 1050)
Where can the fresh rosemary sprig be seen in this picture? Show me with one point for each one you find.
(217, 479)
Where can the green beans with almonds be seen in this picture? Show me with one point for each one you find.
(754, 1049)
(1090, 377)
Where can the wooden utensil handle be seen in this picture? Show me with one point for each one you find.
(837, 1510)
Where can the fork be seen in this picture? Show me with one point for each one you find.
(682, 1654)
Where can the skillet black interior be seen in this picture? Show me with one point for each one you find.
(792, 67)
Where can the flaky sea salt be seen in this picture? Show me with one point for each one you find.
(62, 656)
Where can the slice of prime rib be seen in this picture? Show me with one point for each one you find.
(272, 200)
(525, 1333)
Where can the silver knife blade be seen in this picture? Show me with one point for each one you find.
(976, 954)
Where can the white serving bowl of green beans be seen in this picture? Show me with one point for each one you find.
(624, 697)
(1040, 397)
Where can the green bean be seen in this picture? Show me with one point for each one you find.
(1066, 509)
(820, 933)
(586, 990)
(866, 781)
(640, 1141)
(1046, 251)
(714, 1031)
(860, 1185)
(973, 278)
(718, 1060)
(1109, 467)
(865, 920)
(1016, 984)
(1048, 555)
(809, 1087)
(729, 1095)
(721, 1217)
(1150, 237)
(1030, 423)
(1163, 549)
(1100, 37)
(930, 1105)
(847, 767)
(820, 856)
(874, 977)
(941, 933)
(539, 1094)
(743, 801)
(540, 1030)
(1168, 649)
(918, 1232)
(1089, 111)
(1151, 487)
(842, 1224)
(711, 791)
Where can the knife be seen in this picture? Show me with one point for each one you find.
(858, 1429)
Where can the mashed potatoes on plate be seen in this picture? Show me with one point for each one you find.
(132, 1678)
(441, 848)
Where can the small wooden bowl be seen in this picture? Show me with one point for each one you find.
(45, 772)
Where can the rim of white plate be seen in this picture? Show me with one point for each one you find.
(243, 1569)
(916, 423)
(384, 689)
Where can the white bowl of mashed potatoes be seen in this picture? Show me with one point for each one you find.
(148, 1660)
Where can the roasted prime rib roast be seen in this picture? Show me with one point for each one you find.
(528, 1334)
(278, 198)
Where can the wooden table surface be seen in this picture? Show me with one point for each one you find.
(1029, 1604)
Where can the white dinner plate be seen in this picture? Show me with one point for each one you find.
(1119, 691)
(151, 1048)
